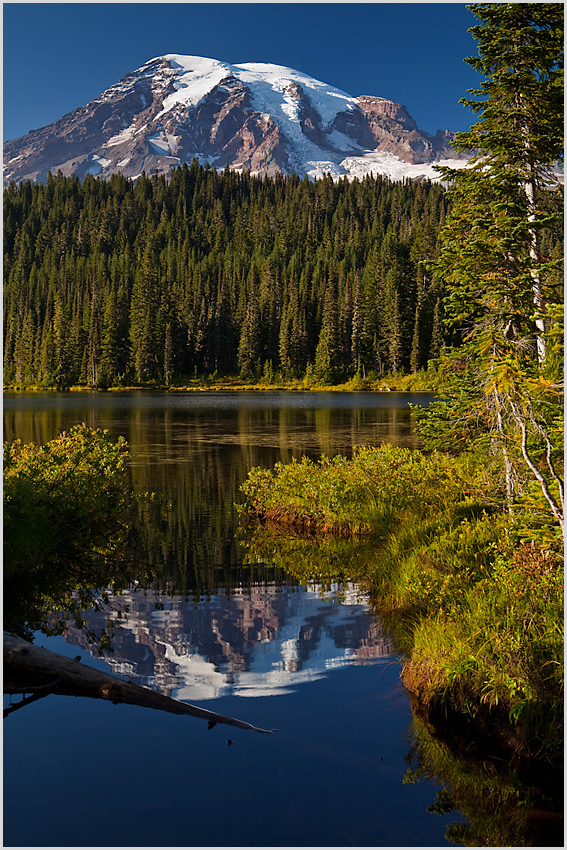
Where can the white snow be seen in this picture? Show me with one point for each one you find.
(274, 95)
(161, 142)
(393, 168)
(124, 136)
(316, 169)
(342, 142)
(270, 82)
(271, 95)
(197, 76)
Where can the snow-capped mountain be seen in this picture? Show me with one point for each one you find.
(264, 118)
(259, 641)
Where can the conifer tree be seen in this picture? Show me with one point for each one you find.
(357, 326)
(123, 261)
(285, 341)
(327, 364)
(60, 364)
(110, 342)
(249, 345)
(498, 285)
(491, 244)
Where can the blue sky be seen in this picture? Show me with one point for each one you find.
(59, 56)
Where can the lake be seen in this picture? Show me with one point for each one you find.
(222, 629)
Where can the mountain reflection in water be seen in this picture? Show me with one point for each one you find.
(259, 641)
(222, 619)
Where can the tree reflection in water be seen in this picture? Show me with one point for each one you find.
(504, 806)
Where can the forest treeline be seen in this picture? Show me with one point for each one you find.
(113, 282)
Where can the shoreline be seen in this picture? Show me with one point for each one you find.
(472, 602)
(405, 384)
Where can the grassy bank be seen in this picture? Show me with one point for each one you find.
(426, 380)
(476, 605)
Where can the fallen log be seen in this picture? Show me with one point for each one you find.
(30, 669)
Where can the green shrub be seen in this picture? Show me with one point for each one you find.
(64, 502)
(362, 494)
(478, 609)
(67, 512)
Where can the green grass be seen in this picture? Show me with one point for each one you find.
(498, 647)
(426, 380)
(476, 605)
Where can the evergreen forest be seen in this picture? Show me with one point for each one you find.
(114, 283)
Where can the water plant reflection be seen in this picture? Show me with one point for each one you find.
(505, 803)
(504, 806)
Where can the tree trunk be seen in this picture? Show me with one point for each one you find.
(539, 302)
(508, 467)
(529, 187)
(558, 512)
(33, 669)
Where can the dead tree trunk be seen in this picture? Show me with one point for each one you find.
(30, 669)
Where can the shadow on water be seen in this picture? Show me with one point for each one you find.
(502, 807)
(196, 609)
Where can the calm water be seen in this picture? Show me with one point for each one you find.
(240, 637)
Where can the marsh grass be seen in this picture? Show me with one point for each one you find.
(425, 380)
(499, 645)
(475, 604)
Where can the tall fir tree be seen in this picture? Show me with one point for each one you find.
(498, 211)
(499, 288)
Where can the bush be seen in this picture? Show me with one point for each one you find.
(361, 495)
(478, 609)
(65, 502)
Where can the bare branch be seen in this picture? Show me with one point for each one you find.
(29, 669)
(557, 511)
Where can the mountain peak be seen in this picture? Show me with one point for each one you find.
(254, 116)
